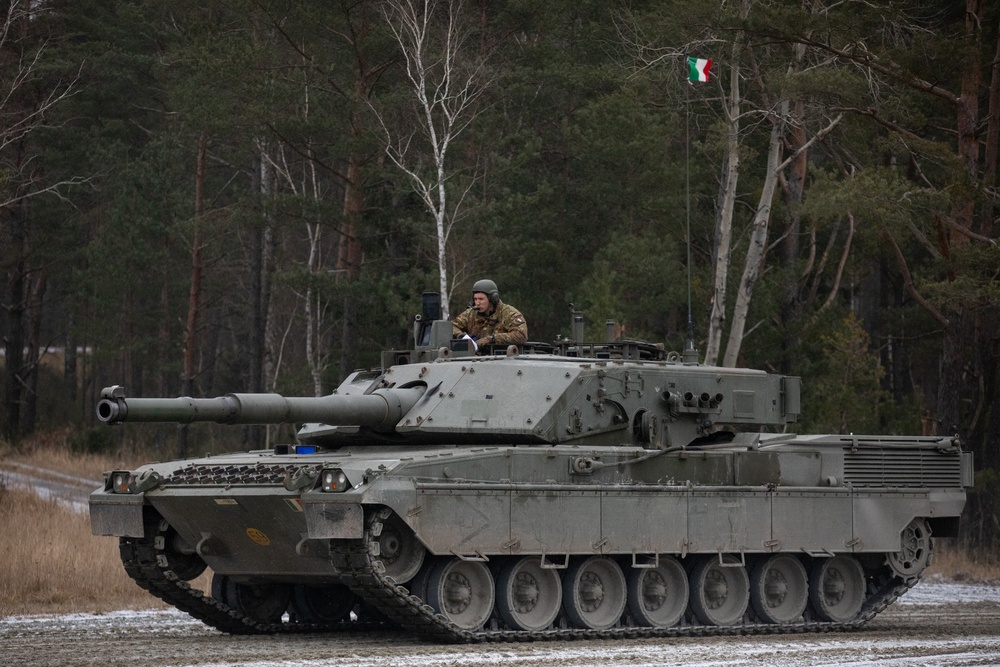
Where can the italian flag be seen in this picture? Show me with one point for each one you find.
(698, 69)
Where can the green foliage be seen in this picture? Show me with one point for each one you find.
(842, 391)
(638, 282)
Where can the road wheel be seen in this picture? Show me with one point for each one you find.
(658, 596)
(837, 588)
(462, 592)
(528, 596)
(779, 589)
(719, 593)
(594, 593)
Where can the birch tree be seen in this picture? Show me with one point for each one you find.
(304, 181)
(339, 65)
(724, 218)
(758, 241)
(446, 78)
(756, 251)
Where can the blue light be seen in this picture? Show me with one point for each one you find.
(305, 449)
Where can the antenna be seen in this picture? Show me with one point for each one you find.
(690, 354)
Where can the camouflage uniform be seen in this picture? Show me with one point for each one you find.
(504, 326)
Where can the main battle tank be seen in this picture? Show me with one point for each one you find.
(548, 491)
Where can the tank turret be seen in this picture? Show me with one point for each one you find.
(612, 393)
(559, 490)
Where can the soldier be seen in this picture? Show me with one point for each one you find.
(490, 321)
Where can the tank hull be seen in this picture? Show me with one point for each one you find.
(810, 498)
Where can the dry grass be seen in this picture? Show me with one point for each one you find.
(955, 564)
(49, 561)
(55, 564)
(52, 451)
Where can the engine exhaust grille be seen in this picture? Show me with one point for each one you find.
(906, 468)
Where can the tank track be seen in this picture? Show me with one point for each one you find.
(148, 564)
(365, 576)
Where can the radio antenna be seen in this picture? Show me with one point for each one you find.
(690, 354)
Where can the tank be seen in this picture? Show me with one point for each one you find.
(548, 491)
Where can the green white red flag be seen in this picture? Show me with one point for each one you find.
(698, 69)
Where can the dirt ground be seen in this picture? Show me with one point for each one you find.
(935, 624)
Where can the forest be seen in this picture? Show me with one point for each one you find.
(252, 195)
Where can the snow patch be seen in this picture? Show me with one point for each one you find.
(931, 593)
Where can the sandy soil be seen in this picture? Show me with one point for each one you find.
(935, 624)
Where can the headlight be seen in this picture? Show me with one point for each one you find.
(334, 480)
(120, 481)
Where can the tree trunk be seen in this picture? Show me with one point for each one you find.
(992, 148)
(70, 376)
(313, 311)
(164, 348)
(36, 305)
(14, 337)
(793, 191)
(758, 242)
(724, 220)
(349, 246)
(260, 292)
(951, 381)
(990, 453)
(194, 293)
(959, 336)
(349, 259)
(989, 341)
(209, 357)
(442, 244)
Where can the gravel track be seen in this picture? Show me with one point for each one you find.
(68, 491)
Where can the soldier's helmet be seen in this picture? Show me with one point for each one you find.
(489, 288)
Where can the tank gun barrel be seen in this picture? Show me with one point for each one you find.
(380, 410)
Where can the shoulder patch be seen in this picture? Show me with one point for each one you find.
(519, 320)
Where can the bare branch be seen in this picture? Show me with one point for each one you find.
(644, 51)
(871, 113)
(817, 137)
(968, 233)
(863, 57)
(53, 189)
(911, 289)
(840, 267)
(446, 84)
(20, 120)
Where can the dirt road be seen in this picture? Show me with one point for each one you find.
(935, 624)
(67, 490)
